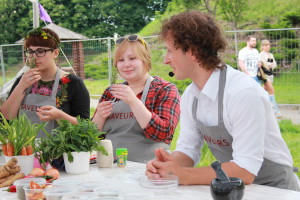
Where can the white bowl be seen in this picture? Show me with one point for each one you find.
(163, 182)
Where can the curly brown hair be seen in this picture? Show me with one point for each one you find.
(200, 33)
(42, 37)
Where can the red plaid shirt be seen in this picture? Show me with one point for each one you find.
(163, 102)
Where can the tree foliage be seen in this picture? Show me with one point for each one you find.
(15, 17)
(233, 9)
(91, 18)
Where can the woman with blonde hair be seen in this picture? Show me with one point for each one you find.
(267, 59)
(141, 113)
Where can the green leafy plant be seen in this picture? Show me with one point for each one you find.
(18, 133)
(67, 138)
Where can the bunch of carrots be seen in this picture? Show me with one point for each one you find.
(9, 150)
(9, 173)
(18, 135)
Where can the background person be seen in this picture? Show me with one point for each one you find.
(146, 109)
(269, 61)
(45, 92)
(248, 58)
(223, 107)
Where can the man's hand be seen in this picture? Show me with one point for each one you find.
(163, 164)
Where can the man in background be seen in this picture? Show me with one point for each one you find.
(249, 58)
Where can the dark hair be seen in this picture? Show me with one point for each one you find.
(42, 37)
(200, 33)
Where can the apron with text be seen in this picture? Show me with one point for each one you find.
(219, 142)
(124, 131)
(33, 101)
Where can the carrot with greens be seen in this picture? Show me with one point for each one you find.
(29, 150)
(10, 149)
(4, 149)
(23, 151)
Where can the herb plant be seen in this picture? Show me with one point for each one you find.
(68, 137)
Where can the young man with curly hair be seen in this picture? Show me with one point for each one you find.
(223, 107)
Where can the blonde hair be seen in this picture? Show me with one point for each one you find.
(140, 49)
(263, 43)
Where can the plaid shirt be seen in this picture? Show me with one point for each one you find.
(163, 101)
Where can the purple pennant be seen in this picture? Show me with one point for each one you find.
(44, 15)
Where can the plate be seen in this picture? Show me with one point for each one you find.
(163, 182)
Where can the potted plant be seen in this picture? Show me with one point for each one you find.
(74, 142)
(18, 140)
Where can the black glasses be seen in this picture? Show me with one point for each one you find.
(130, 38)
(38, 52)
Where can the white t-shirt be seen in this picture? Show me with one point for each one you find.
(247, 115)
(250, 58)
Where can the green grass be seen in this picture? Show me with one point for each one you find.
(287, 93)
(290, 133)
(96, 87)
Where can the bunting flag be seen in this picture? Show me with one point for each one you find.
(44, 15)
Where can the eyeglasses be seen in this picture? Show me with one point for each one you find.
(130, 38)
(38, 52)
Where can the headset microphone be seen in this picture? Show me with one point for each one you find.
(171, 74)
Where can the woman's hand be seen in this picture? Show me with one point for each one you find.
(123, 92)
(104, 109)
(29, 78)
(48, 113)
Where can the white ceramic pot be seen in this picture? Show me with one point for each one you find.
(80, 164)
(25, 162)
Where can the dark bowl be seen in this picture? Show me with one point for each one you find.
(233, 190)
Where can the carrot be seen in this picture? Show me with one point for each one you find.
(4, 149)
(12, 162)
(10, 149)
(12, 180)
(23, 151)
(29, 150)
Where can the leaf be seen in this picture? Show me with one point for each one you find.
(70, 157)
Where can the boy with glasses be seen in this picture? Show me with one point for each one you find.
(45, 92)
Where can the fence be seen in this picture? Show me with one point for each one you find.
(97, 60)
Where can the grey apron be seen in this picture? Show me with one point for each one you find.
(33, 101)
(124, 131)
(219, 142)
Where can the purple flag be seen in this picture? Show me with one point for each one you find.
(44, 15)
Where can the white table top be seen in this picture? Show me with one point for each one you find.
(127, 179)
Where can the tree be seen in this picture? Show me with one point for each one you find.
(103, 18)
(211, 8)
(233, 9)
(91, 18)
(15, 16)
